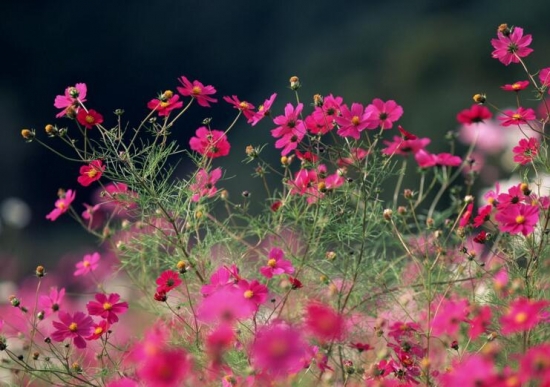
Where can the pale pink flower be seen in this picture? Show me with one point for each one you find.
(62, 204)
(89, 263)
(51, 304)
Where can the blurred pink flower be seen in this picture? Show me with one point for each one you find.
(62, 204)
(475, 114)
(204, 186)
(516, 86)
(523, 314)
(517, 218)
(51, 304)
(520, 116)
(89, 263)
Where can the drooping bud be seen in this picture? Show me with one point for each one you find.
(295, 83)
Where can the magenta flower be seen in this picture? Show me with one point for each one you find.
(523, 314)
(165, 104)
(62, 204)
(264, 110)
(290, 141)
(254, 291)
(198, 91)
(518, 218)
(107, 307)
(475, 114)
(324, 322)
(71, 98)
(204, 185)
(480, 322)
(245, 107)
(449, 315)
(289, 121)
(448, 160)
(526, 150)
(226, 305)
(89, 263)
(383, 114)
(516, 86)
(221, 277)
(99, 330)
(277, 264)
(353, 121)
(73, 327)
(210, 143)
(167, 281)
(544, 77)
(535, 365)
(403, 146)
(278, 350)
(91, 172)
(89, 118)
(425, 159)
(520, 116)
(89, 212)
(510, 46)
(51, 304)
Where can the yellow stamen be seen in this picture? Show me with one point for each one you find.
(107, 306)
(248, 294)
(73, 327)
(196, 90)
(521, 317)
(520, 219)
(355, 120)
(272, 262)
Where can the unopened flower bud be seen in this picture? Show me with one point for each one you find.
(251, 152)
(348, 367)
(73, 92)
(14, 301)
(524, 187)
(295, 83)
(246, 194)
(167, 94)
(504, 29)
(429, 222)
(402, 210)
(76, 367)
(119, 112)
(224, 194)
(70, 112)
(388, 213)
(468, 199)
(454, 345)
(408, 193)
(35, 355)
(330, 255)
(318, 100)
(182, 267)
(492, 336)
(50, 130)
(40, 272)
(321, 186)
(40, 315)
(480, 98)
(28, 134)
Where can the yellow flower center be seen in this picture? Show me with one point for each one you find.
(61, 205)
(520, 219)
(73, 327)
(248, 294)
(86, 264)
(98, 331)
(91, 173)
(196, 90)
(355, 120)
(516, 86)
(278, 348)
(272, 262)
(164, 104)
(516, 116)
(90, 119)
(243, 105)
(521, 317)
(107, 306)
(261, 108)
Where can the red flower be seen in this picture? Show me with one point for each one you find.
(210, 143)
(481, 238)
(511, 46)
(198, 91)
(91, 172)
(295, 283)
(167, 281)
(516, 86)
(521, 116)
(89, 118)
(526, 150)
(74, 327)
(476, 113)
(107, 307)
(245, 107)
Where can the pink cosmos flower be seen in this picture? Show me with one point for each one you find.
(475, 114)
(509, 47)
(165, 104)
(71, 99)
(471, 370)
(166, 368)
(99, 330)
(465, 218)
(221, 277)
(89, 118)
(483, 215)
(526, 150)
(519, 218)
(74, 327)
(89, 263)
(290, 141)
(107, 307)
(254, 291)
(544, 77)
(322, 120)
(218, 342)
(245, 107)
(480, 322)
(400, 330)
(425, 159)
(204, 186)
(356, 155)
(198, 91)
(449, 315)
(167, 281)
(535, 365)
(62, 204)
(513, 196)
(403, 146)
(516, 86)
(120, 195)
(91, 172)
(324, 322)
(278, 350)
(448, 160)
(89, 212)
(225, 306)
(353, 121)
(289, 121)
(264, 110)
(383, 114)
(520, 116)
(276, 264)
(210, 143)
(51, 304)
(523, 314)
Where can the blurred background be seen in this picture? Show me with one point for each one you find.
(430, 56)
